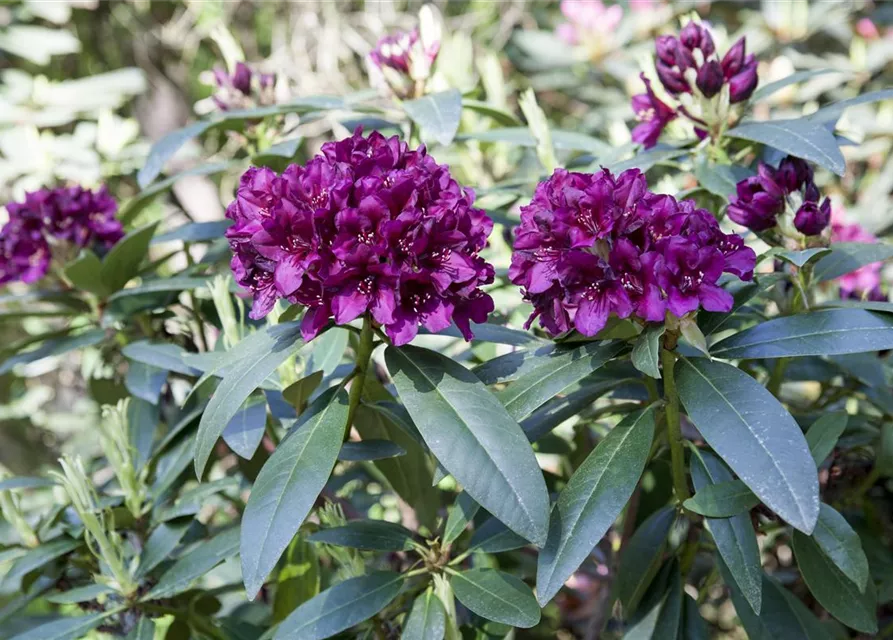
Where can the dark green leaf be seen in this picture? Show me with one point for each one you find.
(511, 366)
(693, 625)
(192, 566)
(823, 434)
(799, 137)
(298, 393)
(368, 450)
(245, 430)
(497, 596)
(486, 332)
(123, 261)
(327, 350)
(288, 485)
(194, 232)
(711, 322)
(560, 408)
(641, 558)
(800, 258)
(25, 482)
(298, 579)
(719, 179)
(662, 621)
(460, 515)
(35, 559)
(164, 150)
(722, 499)
(646, 352)
(144, 630)
(499, 115)
(252, 360)
(834, 591)
(821, 333)
(474, 438)
(799, 76)
(754, 434)
(494, 537)
(368, 535)
(163, 355)
(833, 111)
(141, 200)
(85, 273)
(341, 607)
(592, 500)
(734, 536)
(427, 620)
(438, 114)
(837, 540)
(161, 544)
(554, 373)
(846, 257)
(80, 594)
(145, 381)
(64, 628)
(54, 347)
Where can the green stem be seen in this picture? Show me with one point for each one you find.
(777, 376)
(202, 338)
(674, 426)
(364, 355)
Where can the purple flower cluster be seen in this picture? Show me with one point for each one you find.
(243, 88)
(590, 245)
(73, 215)
(400, 64)
(761, 199)
(684, 65)
(367, 226)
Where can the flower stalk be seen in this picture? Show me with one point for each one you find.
(674, 426)
(364, 356)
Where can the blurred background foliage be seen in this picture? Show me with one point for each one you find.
(87, 86)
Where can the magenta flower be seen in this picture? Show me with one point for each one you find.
(758, 200)
(368, 226)
(587, 19)
(590, 246)
(24, 255)
(244, 88)
(652, 114)
(864, 282)
(812, 218)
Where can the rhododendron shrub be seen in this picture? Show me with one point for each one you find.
(495, 345)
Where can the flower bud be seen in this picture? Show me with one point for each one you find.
(671, 78)
(792, 173)
(734, 58)
(710, 78)
(696, 36)
(242, 78)
(742, 84)
(811, 219)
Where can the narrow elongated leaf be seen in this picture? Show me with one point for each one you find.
(327, 350)
(560, 408)
(80, 594)
(144, 630)
(195, 564)
(298, 579)
(341, 607)
(767, 90)
(693, 625)
(592, 500)
(159, 354)
(711, 322)
(368, 535)
(25, 482)
(427, 620)
(834, 591)
(662, 620)
(194, 232)
(497, 596)
(640, 560)
(64, 629)
(245, 430)
(36, 558)
(438, 114)
(54, 347)
(512, 366)
(494, 537)
(368, 450)
(723, 499)
(846, 257)
(161, 544)
(288, 485)
(735, 538)
(797, 137)
(823, 434)
(474, 438)
(821, 333)
(298, 393)
(85, 273)
(754, 434)
(269, 348)
(164, 149)
(837, 540)
(460, 515)
(556, 372)
(145, 381)
(122, 262)
(646, 352)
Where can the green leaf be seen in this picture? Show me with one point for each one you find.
(427, 620)
(438, 114)
(499, 115)
(247, 366)
(754, 434)
(799, 76)
(823, 434)
(833, 111)
(163, 355)
(327, 350)
(846, 257)
(298, 579)
(64, 628)
(246, 429)
(85, 273)
(662, 621)
(833, 590)
(837, 540)
(474, 438)
(641, 558)
(144, 630)
(554, 373)
(521, 136)
(826, 332)
(722, 500)
(368, 535)
(646, 352)
(797, 137)
(123, 261)
(711, 322)
(341, 607)
(494, 537)
(26, 482)
(161, 544)
(542, 421)
(593, 499)
(734, 536)
(195, 564)
(164, 149)
(80, 594)
(35, 559)
(145, 381)
(801, 258)
(288, 485)
(719, 179)
(461, 513)
(54, 347)
(496, 596)
(369, 450)
(194, 232)
(497, 334)
(693, 625)
(130, 209)
(297, 394)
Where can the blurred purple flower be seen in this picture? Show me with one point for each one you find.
(864, 282)
(368, 226)
(652, 114)
(401, 63)
(587, 19)
(244, 88)
(590, 246)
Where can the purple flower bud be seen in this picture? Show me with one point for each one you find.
(734, 58)
(710, 78)
(753, 205)
(666, 49)
(792, 173)
(236, 91)
(743, 83)
(695, 36)
(653, 115)
(671, 78)
(811, 192)
(811, 219)
(242, 78)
